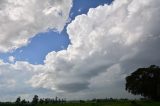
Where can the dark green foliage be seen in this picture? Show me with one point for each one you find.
(35, 99)
(23, 101)
(145, 82)
(41, 101)
(18, 100)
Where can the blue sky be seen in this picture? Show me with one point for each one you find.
(105, 45)
(45, 42)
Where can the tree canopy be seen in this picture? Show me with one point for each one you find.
(145, 82)
(35, 99)
(18, 100)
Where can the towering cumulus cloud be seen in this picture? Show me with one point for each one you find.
(107, 43)
(21, 20)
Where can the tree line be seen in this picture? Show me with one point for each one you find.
(34, 101)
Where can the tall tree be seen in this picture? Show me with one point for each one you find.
(35, 99)
(145, 82)
(18, 100)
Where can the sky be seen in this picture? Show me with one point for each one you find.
(75, 49)
(44, 42)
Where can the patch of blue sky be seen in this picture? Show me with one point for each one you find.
(43, 43)
(82, 6)
(39, 47)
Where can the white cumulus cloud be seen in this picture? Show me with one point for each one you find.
(21, 20)
(107, 43)
(11, 59)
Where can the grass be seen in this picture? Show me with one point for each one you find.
(126, 103)
(114, 103)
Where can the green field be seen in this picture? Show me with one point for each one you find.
(115, 103)
(106, 104)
